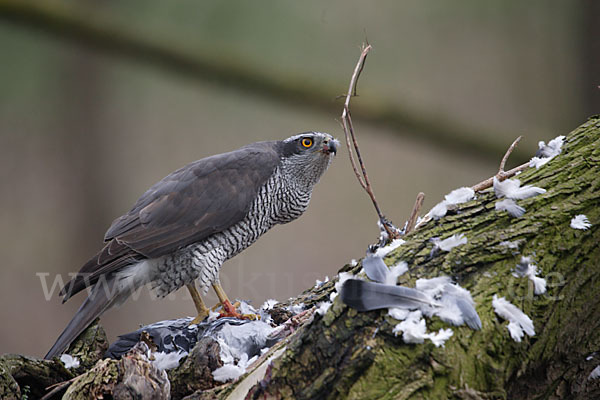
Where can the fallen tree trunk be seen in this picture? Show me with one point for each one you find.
(347, 354)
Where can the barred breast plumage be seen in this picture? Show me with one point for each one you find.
(279, 201)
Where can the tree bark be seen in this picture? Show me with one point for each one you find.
(354, 355)
(347, 354)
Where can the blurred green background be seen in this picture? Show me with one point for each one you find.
(99, 100)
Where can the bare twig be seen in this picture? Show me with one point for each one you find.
(412, 220)
(352, 144)
(507, 154)
(57, 387)
(351, 153)
(490, 181)
(502, 175)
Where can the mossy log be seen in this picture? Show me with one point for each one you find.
(353, 355)
(347, 354)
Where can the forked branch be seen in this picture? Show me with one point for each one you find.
(352, 144)
(502, 175)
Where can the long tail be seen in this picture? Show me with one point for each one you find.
(111, 290)
(96, 303)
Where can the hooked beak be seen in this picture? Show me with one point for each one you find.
(330, 146)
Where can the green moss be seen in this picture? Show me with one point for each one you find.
(486, 363)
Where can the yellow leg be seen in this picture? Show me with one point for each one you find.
(200, 306)
(220, 293)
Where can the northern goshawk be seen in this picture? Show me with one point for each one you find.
(187, 225)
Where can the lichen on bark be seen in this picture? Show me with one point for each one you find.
(355, 355)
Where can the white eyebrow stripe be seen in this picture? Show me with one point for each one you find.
(322, 134)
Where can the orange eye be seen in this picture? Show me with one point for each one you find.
(307, 142)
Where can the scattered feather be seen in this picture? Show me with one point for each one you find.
(433, 286)
(511, 245)
(399, 269)
(457, 196)
(323, 307)
(450, 242)
(296, 308)
(539, 161)
(366, 296)
(552, 149)
(333, 295)
(580, 222)
(342, 277)
(511, 189)
(547, 152)
(455, 304)
(398, 313)
(460, 195)
(375, 268)
(319, 283)
(69, 361)
(164, 360)
(440, 338)
(383, 251)
(269, 304)
(439, 210)
(353, 262)
(213, 315)
(595, 374)
(246, 308)
(526, 268)
(511, 207)
(231, 372)
(414, 330)
(228, 372)
(519, 322)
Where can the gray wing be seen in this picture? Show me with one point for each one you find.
(192, 203)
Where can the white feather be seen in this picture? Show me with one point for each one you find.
(460, 195)
(440, 338)
(433, 286)
(547, 152)
(538, 162)
(519, 322)
(414, 330)
(511, 207)
(391, 277)
(450, 242)
(398, 313)
(580, 222)
(439, 210)
(342, 277)
(170, 360)
(511, 188)
(511, 245)
(296, 308)
(69, 361)
(525, 267)
(595, 374)
(323, 307)
(383, 251)
(269, 304)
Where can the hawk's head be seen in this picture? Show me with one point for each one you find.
(307, 155)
